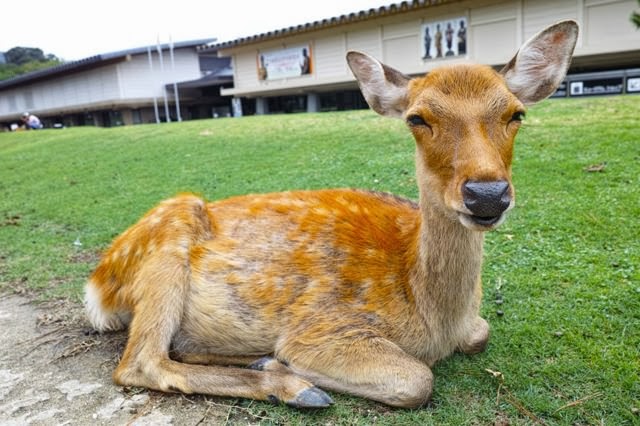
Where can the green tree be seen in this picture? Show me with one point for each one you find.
(21, 55)
(21, 60)
(635, 18)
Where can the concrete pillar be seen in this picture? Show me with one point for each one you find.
(261, 106)
(236, 107)
(127, 117)
(313, 102)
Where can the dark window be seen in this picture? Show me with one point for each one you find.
(287, 104)
(342, 101)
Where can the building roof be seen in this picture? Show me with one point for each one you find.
(363, 15)
(92, 62)
(215, 78)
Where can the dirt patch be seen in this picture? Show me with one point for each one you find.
(55, 370)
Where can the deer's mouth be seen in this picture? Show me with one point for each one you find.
(481, 223)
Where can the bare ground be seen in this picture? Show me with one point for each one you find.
(54, 370)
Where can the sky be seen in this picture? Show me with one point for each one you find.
(74, 29)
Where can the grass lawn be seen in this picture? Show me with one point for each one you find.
(561, 277)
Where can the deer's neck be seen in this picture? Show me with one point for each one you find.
(449, 266)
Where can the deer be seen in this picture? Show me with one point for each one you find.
(284, 297)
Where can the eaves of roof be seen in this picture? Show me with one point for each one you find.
(66, 68)
(91, 62)
(218, 78)
(363, 15)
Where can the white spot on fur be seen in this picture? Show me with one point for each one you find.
(124, 251)
(152, 247)
(184, 243)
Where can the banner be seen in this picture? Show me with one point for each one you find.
(596, 86)
(444, 38)
(284, 63)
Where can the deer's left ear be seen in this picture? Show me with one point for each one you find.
(542, 62)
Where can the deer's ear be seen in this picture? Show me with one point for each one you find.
(384, 88)
(542, 62)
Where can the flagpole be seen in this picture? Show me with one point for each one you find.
(164, 91)
(175, 85)
(155, 99)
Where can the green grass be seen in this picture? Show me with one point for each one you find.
(566, 264)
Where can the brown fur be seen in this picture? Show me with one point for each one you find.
(349, 290)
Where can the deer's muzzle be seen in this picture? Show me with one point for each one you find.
(487, 201)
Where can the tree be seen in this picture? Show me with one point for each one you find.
(22, 55)
(635, 18)
(20, 60)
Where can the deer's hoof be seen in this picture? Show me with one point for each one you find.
(311, 398)
(262, 364)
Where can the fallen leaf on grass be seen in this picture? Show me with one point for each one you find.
(579, 401)
(505, 394)
(13, 220)
(596, 168)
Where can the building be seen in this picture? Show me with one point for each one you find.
(303, 68)
(122, 88)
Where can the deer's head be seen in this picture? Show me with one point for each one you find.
(464, 119)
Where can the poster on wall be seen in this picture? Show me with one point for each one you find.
(444, 39)
(284, 63)
(633, 84)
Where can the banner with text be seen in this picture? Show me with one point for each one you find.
(284, 63)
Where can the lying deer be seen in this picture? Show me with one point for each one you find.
(347, 290)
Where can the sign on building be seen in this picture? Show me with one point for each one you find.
(602, 86)
(284, 63)
(633, 84)
(443, 39)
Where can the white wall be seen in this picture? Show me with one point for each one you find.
(76, 89)
(127, 82)
(496, 29)
(137, 81)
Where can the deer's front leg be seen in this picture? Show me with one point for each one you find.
(358, 362)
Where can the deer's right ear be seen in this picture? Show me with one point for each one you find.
(542, 62)
(384, 88)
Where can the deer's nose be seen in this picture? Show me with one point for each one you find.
(486, 199)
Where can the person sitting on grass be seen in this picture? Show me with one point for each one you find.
(31, 122)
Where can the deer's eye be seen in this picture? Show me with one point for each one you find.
(518, 116)
(416, 120)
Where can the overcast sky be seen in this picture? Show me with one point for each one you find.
(76, 29)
